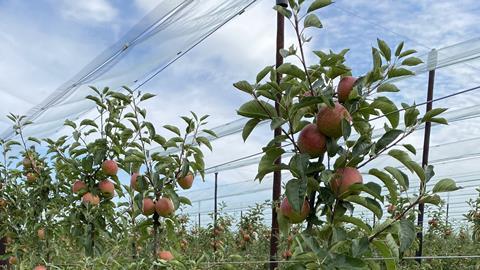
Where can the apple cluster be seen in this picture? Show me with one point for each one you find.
(312, 140)
(106, 188)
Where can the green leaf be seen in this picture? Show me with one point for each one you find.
(173, 129)
(382, 45)
(317, 4)
(277, 122)
(266, 164)
(399, 49)
(295, 190)
(291, 70)
(284, 11)
(388, 108)
(432, 113)
(412, 61)
(70, 123)
(244, 86)
(401, 156)
(146, 96)
(248, 128)
(257, 109)
(445, 185)
(387, 87)
(263, 73)
(346, 129)
(406, 234)
(387, 139)
(401, 178)
(368, 203)
(88, 122)
(389, 183)
(399, 72)
(312, 21)
(355, 221)
(432, 199)
(392, 245)
(360, 246)
(184, 200)
(439, 120)
(385, 252)
(410, 148)
(407, 52)
(204, 141)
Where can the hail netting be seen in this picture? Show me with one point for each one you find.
(165, 34)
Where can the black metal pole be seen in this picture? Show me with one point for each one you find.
(426, 146)
(215, 215)
(277, 176)
(3, 263)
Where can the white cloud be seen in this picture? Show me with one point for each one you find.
(97, 11)
(147, 5)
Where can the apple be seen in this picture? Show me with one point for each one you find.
(344, 87)
(40, 267)
(186, 181)
(12, 260)
(287, 254)
(343, 179)
(107, 188)
(41, 233)
(110, 167)
(27, 163)
(148, 207)
(391, 208)
(133, 182)
(246, 237)
(79, 187)
(3, 203)
(89, 198)
(294, 217)
(164, 207)
(311, 141)
(433, 222)
(329, 120)
(31, 177)
(165, 255)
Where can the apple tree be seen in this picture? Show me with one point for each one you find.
(328, 132)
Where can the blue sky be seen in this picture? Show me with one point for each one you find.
(44, 43)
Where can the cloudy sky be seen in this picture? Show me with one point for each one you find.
(45, 43)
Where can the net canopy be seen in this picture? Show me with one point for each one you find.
(201, 81)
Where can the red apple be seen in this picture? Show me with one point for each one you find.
(12, 260)
(294, 217)
(186, 181)
(246, 237)
(110, 167)
(27, 163)
(148, 207)
(89, 198)
(107, 188)
(40, 267)
(287, 254)
(343, 179)
(41, 233)
(391, 208)
(329, 120)
(164, 207)
(133, 182)
(311, 141)
(165, 255)
(3, 203)
(344, 88)
(79, 187)
(31, 177)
